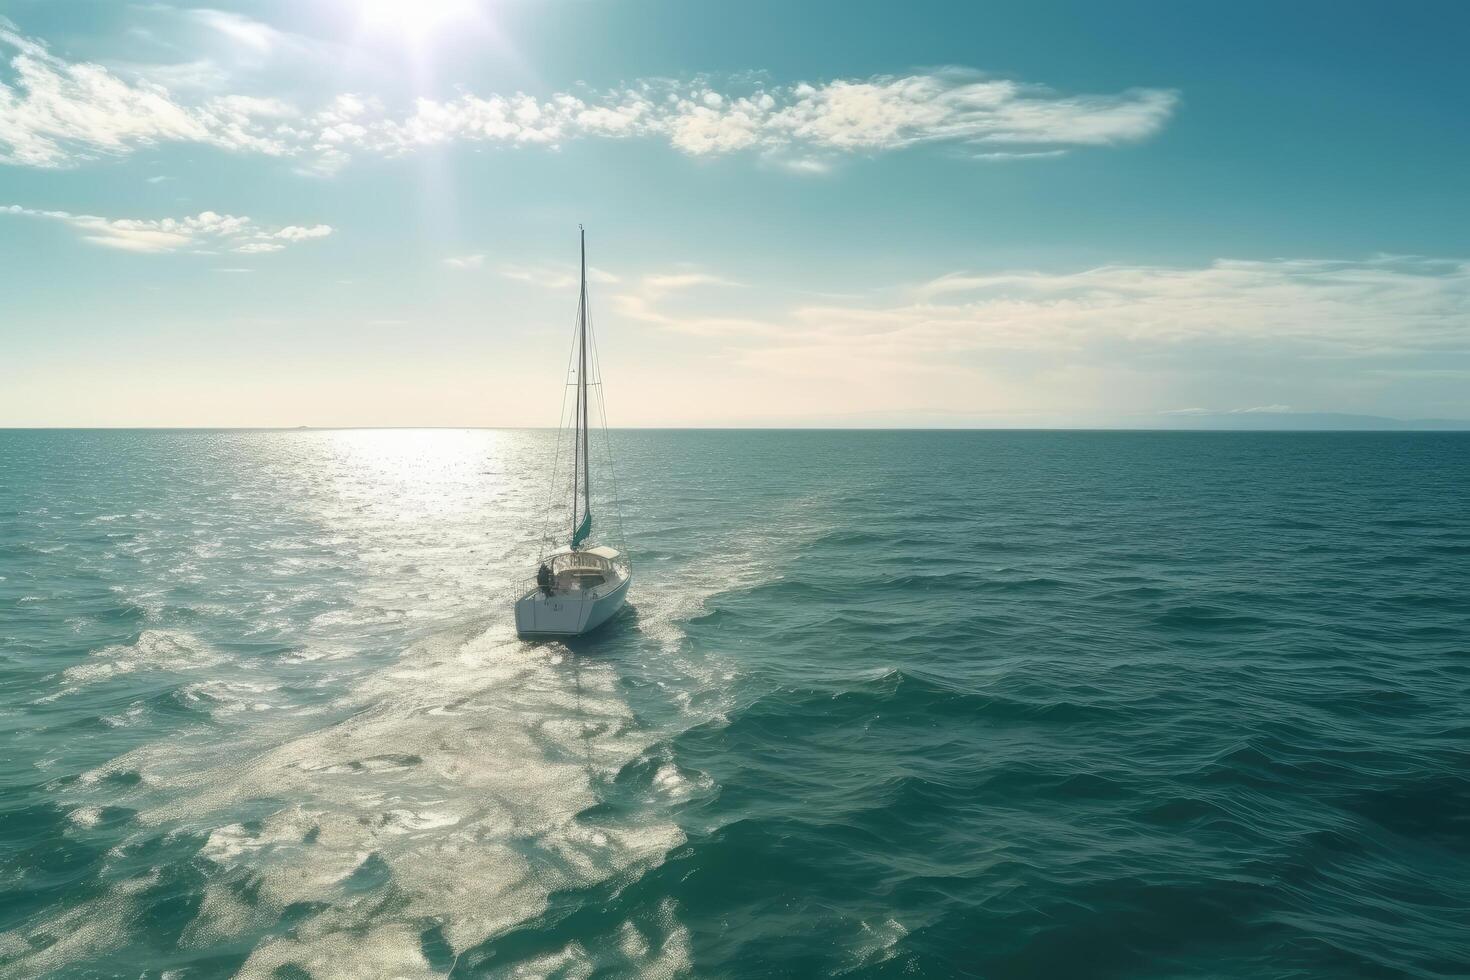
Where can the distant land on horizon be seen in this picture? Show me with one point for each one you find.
(1311, 421)
(1188, 420)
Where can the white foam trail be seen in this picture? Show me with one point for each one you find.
(458, 786)
(386, 951)
(86, 816)
(877, 943)
(451, 789)
(80, 931)
(703, 682)
(630, 952)
(156, 650)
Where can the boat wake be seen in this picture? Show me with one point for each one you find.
(458, 792)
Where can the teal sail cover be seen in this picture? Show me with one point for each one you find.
(583, 529)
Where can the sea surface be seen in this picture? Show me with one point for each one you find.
(884, 704)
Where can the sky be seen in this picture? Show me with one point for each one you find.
(364, 212)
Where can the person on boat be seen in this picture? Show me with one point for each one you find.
(543, 578)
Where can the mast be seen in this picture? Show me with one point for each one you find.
(581, 445)
(582, 387)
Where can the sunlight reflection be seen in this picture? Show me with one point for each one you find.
(417, 472)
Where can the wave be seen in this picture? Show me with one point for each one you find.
(993, 705)
(171, 651)
(463, 780)
(1203, 617)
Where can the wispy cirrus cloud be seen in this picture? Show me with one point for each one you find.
(250, 34)
(657, 284)
(1364, 306)
(1063, 345)
(207, 231)
(546, 276)
(218, 47)
(465, 261)
(645, 300)
(554, 276)
(56, 113)
(1382, 307)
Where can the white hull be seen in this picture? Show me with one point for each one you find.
(572, 612)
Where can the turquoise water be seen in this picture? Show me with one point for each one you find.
(886, 704)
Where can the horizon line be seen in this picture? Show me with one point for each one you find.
(1406, 427)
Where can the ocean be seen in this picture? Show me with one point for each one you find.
(883, 704)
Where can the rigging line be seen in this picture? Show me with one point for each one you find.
(546, 537)
(607, 441)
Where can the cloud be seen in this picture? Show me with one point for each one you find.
(1006, 155)
(253, 35)
(219, 45)
(1074, 346)
(207, 232)
(658, 284)
(57, 113)
(1384, 307)
(803, 165)
(645, 301)
(299, 233)
(1387, 302)
(872, 115)
(465, 261)
(555, 277)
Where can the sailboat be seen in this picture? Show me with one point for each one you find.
(579, 586)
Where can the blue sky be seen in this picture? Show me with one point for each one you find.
(363, 212)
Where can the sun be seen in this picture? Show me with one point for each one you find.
(413, 18)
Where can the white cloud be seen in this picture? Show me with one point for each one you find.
(1075, 347)
(641, 301)
(555, 277)
(657, 284)
(298, 233)
(219, 45)
(253, 35)
(882, 113)
(1006, 155)
(644, 301)
(465, 261)
(207, 231)
(1382, 307)
(1369, 305)
(56, 113)
(805, 166)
